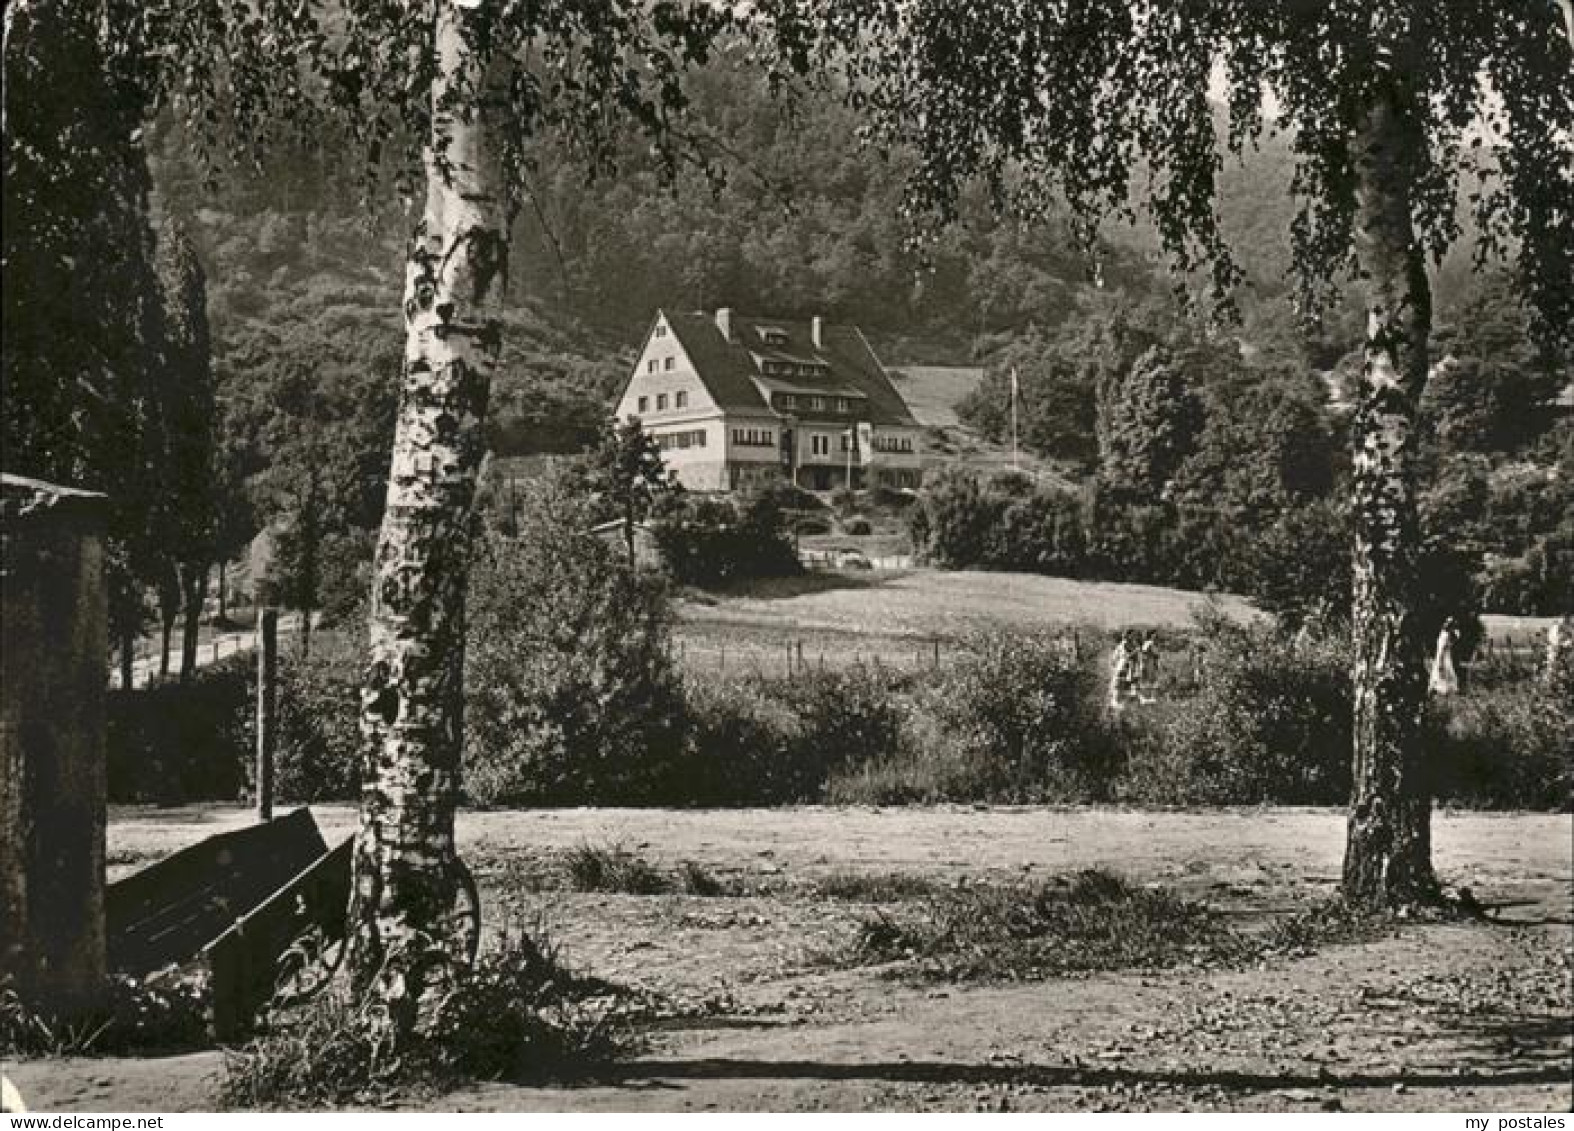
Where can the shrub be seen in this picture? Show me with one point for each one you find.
(571, 691)
(175, 742)
(595, 868)
(954, 523)
(790, 497)
(1091, 920)
(318, 755)
(1028, 715)
(886, 498)
(1015, 718)
(517, 1014)
(163, 1013)
(1270, 723)
(1506, 748)
(709, 543)
(758, 741)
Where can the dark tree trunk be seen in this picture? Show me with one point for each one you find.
(194, 588)
(167, 617)
(411, 929)
(168, 612)
(128, 659)
(1388, 854)
(224, 593)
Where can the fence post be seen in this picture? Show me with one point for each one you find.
(267, 706)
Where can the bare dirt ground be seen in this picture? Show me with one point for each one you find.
(1456, 1017)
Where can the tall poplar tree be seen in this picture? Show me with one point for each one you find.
(80, 343)
(189, 481)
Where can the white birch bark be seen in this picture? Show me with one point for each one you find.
(409, 882)
(1388, 850)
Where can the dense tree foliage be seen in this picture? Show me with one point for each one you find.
(571, 689)
(1387, 107)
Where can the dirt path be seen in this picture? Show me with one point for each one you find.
(1438, 1017)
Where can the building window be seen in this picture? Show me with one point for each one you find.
(661, 402)
(667, 441)
(785, 400)
(816, 403)
(680, 399)
(667, 364)
(661, 330)
(644, 404)
(841, 404)
(753, 437)
(650, 366)
(903, 444)
(820, 445)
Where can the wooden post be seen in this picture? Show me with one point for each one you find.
(937, 652)
(53, 639)
(267, 706)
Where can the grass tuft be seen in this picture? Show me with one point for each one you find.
(163, 1013)
(876, 887)
(612, 868)
(518, 1015)
(1089, 921)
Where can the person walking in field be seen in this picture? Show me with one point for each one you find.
(1147, 668)
(1445, 680)
(1122, 672)
(1559, 669)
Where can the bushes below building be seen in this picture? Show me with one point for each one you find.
(561, 718)
(712, 542)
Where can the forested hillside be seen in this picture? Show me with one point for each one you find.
(305, 274)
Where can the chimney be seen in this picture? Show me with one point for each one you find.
(724, 321)
(817, 332)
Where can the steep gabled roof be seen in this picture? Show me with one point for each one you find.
(728, 367)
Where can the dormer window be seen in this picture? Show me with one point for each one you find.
(772, 335)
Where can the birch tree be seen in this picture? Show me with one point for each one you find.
(1393, 108)
(438, 100)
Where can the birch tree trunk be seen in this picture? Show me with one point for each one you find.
(408, 914)
(1388, 853)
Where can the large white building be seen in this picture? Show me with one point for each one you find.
(737, 401)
